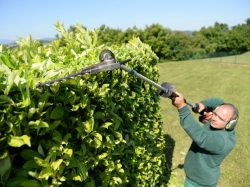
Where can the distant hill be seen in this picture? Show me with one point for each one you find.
(46, 40)
(187, 32)
(12, 43)
(6, 41)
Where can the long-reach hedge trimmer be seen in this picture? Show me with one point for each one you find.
(108, 63)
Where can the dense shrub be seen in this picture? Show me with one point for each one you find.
(95, 130)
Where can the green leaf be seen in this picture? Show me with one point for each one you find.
(5, 166)
(29, 154)
(31, 112)
(6, 99)
(117, 180)
(34, 174)
(89, 125)
(99, 115)
(38, 124)
(84, 101)
(90, 183)
(102, 156)
(14, 182)
(4, 154)
(40, 150)
(104, 89)
(106, 124)
(57, 113)
(25, 94)
(75, 107)
(55, 88)
(30, 165)
(118, 135)
(83, 172)
(62, 179)
(118, 167)
(22, 173)
(57, 136)
(43, 99)
(41, 162)
(31, 183)
(5, 59)
(10, 81)
(56, 164)
(97, 140)
(18, 141)
(67, 151)
(77, 178)
(66, 138)
(45, 174)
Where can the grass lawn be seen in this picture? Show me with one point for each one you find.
(227, 78)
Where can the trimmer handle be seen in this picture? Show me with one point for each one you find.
(167, 90)
(196, 108)
(169, 93)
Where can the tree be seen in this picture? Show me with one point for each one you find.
(130, 33)
(159, 39)
(239, 38)
(181, 46)
(109, 36)
(248, 22)
(216, 37)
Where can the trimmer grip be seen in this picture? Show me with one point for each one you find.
(196, 108)
(168, 91)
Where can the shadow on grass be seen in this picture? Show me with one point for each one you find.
(170, 143)
(169, 151)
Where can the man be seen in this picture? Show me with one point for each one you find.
(211, 143)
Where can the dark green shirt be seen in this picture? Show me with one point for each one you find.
(208, 149)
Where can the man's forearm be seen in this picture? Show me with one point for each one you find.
(212, 102)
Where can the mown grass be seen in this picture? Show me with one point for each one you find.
(200, 79)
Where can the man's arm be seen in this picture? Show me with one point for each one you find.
(212, 102)
(211, 141)
(208, 140)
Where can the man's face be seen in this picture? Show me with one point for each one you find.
(221, 116)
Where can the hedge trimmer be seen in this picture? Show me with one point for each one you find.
(109, 63)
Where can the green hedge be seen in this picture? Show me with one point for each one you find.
(95, 130)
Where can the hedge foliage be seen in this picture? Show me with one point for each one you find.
(95, 130)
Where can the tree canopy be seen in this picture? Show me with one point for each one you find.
(216, 40)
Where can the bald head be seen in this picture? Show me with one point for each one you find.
(231, 110)
(223, 115)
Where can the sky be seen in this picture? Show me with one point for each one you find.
(19, 18)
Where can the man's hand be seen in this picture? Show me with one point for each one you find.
(208, 116)
(179, 101)
(206, 113)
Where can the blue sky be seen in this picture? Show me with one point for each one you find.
(19, 18)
